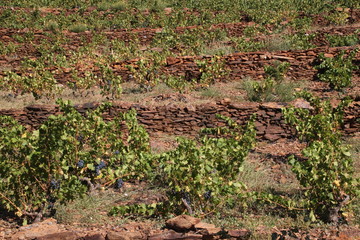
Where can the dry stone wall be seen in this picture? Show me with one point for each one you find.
(251, 64)
(177, 120)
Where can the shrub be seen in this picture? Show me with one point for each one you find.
(78, 28)
(339, 40)
(326, 173)
(199, 176)
(69, 155)
(336, 71)
(52, 26)
(210, 71)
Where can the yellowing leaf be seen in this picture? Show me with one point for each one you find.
(337, 183)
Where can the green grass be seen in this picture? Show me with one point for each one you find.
(78, 28)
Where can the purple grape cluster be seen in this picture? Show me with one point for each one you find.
(80, 163)
(51, 202)
(207, 195)
(186, 197)
(98, 167)
(181, 195)
(116, 152)
(54, 184)
(119, 184)
(80, 139)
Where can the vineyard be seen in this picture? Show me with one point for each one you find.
(133, 119)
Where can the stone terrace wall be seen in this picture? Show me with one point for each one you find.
(250, 64)
(270, 124)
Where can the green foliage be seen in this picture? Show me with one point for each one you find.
(39, 83)
(245, 45)
(278, 71)
(78, 28)
(9, 48)
(338, 17)
(200, 175)
(109, 82)
(340, 41)
(326, 173)
(69, 155)
(337, 71)
(146, 73)
(177, 83)
(52, 26)
(298, 40)
(210, 71)
(190, 42)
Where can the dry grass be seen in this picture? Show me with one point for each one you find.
(159, 96)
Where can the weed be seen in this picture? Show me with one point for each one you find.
(273, 88)
(78, 28)
(52, 26)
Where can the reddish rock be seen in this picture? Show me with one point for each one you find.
(124, 236)
(239, 234)
(37, 230)
(328, 55)
(172, 235)
(97, 236)
(172, 60)
(272, 137)
(60, 236)
(182, 223)
(274, 129)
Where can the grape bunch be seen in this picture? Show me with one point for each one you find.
(54, 184)
(207, 195)
(116, 152)
(51, 202)
(119, 184)
(186, 197)
(98, 167)
(80, 164)
(80, 139)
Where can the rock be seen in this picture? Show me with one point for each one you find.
(239, 234)
(274, 129)
(172, 235)
(225, 101)
(301, 103)
(97, 236)
(124, 236)
(207, 229)
(272, 137)
(202, 225)
(36, 230)
(328, 55)
(59, 236)
(283, 57)
(172, 60)
(167, 10)
(182, 223)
